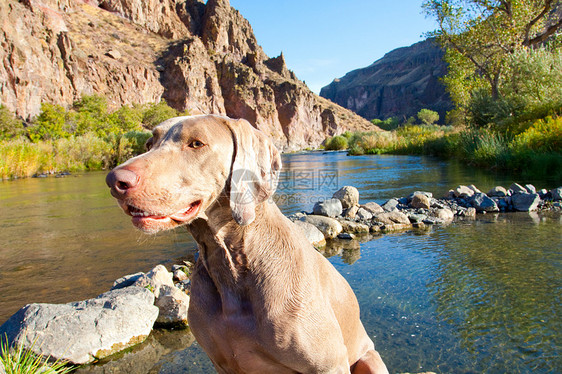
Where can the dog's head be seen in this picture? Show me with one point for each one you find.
(190, 163)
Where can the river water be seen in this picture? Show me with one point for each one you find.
(471, 297)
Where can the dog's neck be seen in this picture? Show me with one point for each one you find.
(231, 252)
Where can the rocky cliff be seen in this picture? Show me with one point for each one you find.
(401, 83)
(198, 56)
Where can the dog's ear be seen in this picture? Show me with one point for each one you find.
(255, 170)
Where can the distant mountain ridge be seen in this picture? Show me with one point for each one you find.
(399, 84)
(197, 55)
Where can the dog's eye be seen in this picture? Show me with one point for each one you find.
(196, 144)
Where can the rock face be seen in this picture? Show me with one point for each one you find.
(84, 331)
(199, 56)
(401, 83)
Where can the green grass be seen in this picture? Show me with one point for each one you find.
(536, 152)
(87, 136)
(20, 158)
(19, 360)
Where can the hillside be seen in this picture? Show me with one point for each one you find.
(401, 83)
(200, 57)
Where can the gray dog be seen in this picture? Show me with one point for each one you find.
(263, 300)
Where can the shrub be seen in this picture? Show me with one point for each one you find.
(10, 126)
(484, 110)
(336, 143)
(388, 124)
(20, 158)
(50, 124)
(371, 142)
(157, 113)
(428, 117)
(543, 136)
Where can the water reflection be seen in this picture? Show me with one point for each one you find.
(500, 288)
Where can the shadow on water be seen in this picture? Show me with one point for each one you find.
(471, 297)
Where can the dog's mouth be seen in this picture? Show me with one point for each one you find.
(143, 218)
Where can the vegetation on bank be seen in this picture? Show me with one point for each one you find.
(505, 80)
(88, 136)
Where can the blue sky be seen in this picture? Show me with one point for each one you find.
(324, 39)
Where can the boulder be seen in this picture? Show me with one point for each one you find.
(390, 205)
(348, 195)
(474, 188)
(329, 208)
(172, 304)
(463, 192)
(180, 275)
(530, 188)
(416, 218)
(314, 236)
(525, 202)
(482, 203)
(372, 207)
(470, 212)
(354, 227)
(449, 195)
(127, 280)
(350, 212)
(556, 193)
(346, 236)
(155, 279)
(444, 214)
(516, 188)
(364, 214)
(497, 191)
(328, 226)
(114, 54)
(389, 218)
(429, 195)
(171, 301)
(84, 331)
(420, 201)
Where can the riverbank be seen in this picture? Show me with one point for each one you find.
(535, 152)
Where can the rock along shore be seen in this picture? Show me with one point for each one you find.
(87, 331)
(343, 217)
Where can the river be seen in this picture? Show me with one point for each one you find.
(471, 297)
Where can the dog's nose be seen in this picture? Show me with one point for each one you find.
(121, 180)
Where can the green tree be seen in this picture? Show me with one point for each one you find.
(157, 113)
(50, 124)
(428, 117)
(479, 36)
(10, 126)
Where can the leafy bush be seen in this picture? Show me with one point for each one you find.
(157, 113)
(336, 143)
(373, 142)
(543, 136)
(428, 117)
(388, 124)
(50, 124)
(86, 137)
(535, 77)
(10, 126)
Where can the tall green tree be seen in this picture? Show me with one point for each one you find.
(479, 36)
